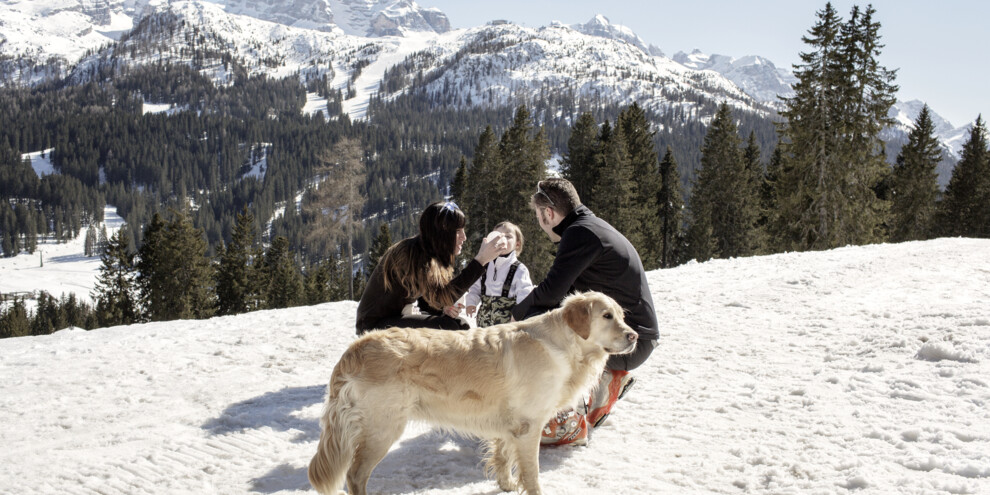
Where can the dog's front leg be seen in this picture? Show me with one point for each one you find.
(527, 447)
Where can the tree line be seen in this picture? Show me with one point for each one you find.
(828, 183)
(172, 277)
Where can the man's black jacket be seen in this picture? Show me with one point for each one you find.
(592, 255)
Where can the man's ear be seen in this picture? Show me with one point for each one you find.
(577, 315)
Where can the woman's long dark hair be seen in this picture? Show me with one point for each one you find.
(425, 264)
(438, 226)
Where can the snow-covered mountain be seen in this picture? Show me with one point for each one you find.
(755, 75)
(504, 63)
(42, 39)
(860, 370)
(600, 26)
(501, 63)
(953, 138)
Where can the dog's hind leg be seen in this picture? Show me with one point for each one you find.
(499, 464)
(378, 433)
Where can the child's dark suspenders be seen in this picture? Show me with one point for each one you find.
(508, 280)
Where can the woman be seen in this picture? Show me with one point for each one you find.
(422, 267)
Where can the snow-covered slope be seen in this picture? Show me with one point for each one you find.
(57, 268)
(858, 370)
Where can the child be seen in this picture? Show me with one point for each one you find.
(505, 282)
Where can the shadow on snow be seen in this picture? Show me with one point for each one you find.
(431, 460)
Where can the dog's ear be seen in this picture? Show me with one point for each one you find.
(577, 315)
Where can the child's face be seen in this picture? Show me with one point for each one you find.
(510, 240)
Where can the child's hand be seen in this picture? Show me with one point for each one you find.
(470, 310)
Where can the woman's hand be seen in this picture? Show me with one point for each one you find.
(453, 311)
(492, 245)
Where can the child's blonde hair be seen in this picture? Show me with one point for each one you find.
(511, 227)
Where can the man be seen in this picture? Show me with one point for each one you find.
(591, 255)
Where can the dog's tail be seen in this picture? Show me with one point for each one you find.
(339, 429)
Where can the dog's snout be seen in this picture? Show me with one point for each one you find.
(632, 336)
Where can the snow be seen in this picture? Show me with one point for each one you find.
(257, 165)
(857, 370)
(41, 161)
(166, 108)
(395, 50)
(315, 103)
(57, 268)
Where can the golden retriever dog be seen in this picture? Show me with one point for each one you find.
(500, 383)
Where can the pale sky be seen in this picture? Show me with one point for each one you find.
(941, 48)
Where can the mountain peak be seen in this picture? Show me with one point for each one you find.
(601, 27)
(386, 17)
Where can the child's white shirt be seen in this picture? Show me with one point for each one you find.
(497, 270)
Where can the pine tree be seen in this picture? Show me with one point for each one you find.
(116, 292)
(834, 154)
(523, 151)
(768, 202)
(46, 318)
(670, 201)
(153, 266)
(723, 201)
(14, 319)
(616, 188)
(582, 162)
(102, 240)
(378, 247)
(234, 287)
(317, 282)
(175, 276)
(754, 189)
(638, 136)
(195, 272)
(284, 283)
(965, 206)
(89, 244)
(338, 279)
(915, 183)
(459, 184)
(482, 187)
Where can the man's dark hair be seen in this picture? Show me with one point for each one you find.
(555, 193)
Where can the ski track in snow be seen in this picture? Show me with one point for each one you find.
(858, 370)
(395, 50)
